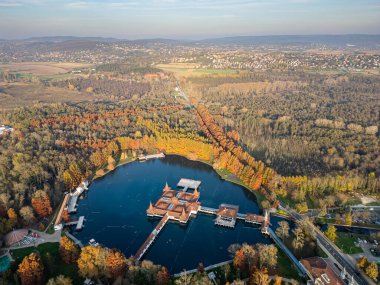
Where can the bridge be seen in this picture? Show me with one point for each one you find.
(77, 241)
(151, 238)
(208, 210)
(279, 242)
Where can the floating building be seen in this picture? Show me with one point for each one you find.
(226, 215)
(178, 205)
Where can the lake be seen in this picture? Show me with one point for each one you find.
(115, 212)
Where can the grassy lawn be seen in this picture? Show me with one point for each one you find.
(286, 267)
(51, 259)
(346, 242)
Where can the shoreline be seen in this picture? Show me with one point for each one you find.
(258, 197)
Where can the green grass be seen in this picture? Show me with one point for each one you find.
(286, 267)
(53, 264)
(346, 242)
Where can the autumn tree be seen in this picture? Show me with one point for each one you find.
(60, 280)
(362, 262)
(331, 233)
(349, 219)
(41, 204)
(277, 280)
(299, 238)
(116, 264)
(91, 261)
(27, 214)
(267, 255)
(12, 216)
(163, 276)
(259, 276)
(283, 230)
(372, 270)
(68, 250)
(31, 270)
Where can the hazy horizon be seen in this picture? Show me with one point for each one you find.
(186, 19)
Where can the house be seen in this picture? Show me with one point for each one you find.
(320, 272)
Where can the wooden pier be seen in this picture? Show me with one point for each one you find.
(151, 156)
(72, 208)
(151, 238)
(188, 184)
(79, 223)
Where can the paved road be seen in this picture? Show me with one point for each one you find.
(330, 247)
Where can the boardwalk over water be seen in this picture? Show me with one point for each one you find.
(77, 241)
(151, 238)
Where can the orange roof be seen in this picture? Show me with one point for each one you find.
(319, 269)
(227, 212)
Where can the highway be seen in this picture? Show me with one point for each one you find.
(329, 247)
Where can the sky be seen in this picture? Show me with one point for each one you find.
(186, 19)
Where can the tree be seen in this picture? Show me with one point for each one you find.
(91, 261)
(68, 250)
(12, 216)
(259, 277)
(299, 238)
(250, 255)
(277, 280)
(31, 270)
(163, 276)
(267, 255)
(226, 270)
(372, 270)
(239, 259)
(41, 204)
(362, 262)
(184, 279)
(283, 230)
(116, 264)
(27, 214)
(60, 280)
(331, 233)
(349, 219)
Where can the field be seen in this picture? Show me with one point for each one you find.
(42, 68)
(191, 70)
(26, 94)
(346, 242)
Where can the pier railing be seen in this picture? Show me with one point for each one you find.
(151, 238)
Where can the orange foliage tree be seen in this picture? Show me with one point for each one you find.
(41, 204)
(116, 264)
(68, 250)
(163, 276)
(31, 270)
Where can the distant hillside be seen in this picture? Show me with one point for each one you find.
(59, 39)
(330, 40)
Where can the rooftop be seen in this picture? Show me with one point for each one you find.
(320, 271)
(177, 204)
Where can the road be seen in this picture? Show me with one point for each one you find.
(330, 247)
